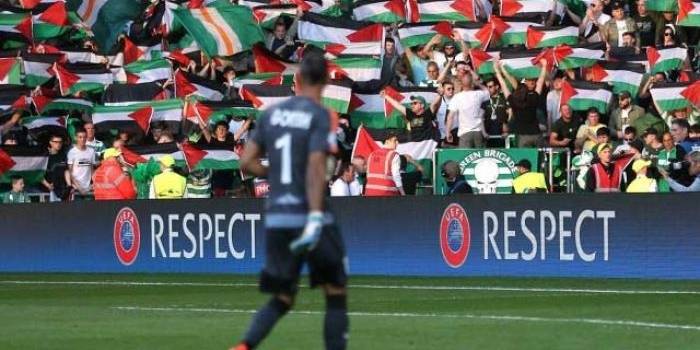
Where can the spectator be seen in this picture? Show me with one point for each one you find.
(156, 132)
(645, 25)
(525, 102)
(606, 175)
(168, 184)
(650, 119)
(239, 128)
(384, 170)
(553, 100)
(110, 181)
(466, 106)
(360, 165)
(602, 135)
(667, 34)
(592, 26)
(97, 145)
(346, 183)
(389, 60)
(16, 194)
(586, 137)
(281, 40)
(629, 135)
(629, 40)
(618, 25)
(434, 76)
(624, 115)
(57, 175)
(642, 183)
(81, 163)
(652, 144)
(198, 184)
(528, 181)
(410, 179)
(692, 143)
(445, 94)
(671, 153)
(401, 78)
(419, 117)
(447, 56)
(455, 181)
(419, 59)
(564, 130)
(693, 172)
(495, 115)
(680, 129)
(9, 124)
(221, 136)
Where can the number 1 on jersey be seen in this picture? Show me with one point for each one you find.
(284, 143)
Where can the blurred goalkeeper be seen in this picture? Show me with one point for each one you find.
(296, 136)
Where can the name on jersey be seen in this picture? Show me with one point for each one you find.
(291, 119)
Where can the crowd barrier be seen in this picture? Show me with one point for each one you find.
(572, 235)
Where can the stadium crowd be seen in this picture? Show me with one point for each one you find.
(155, 99)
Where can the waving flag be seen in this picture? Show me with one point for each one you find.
(475, 34)
(511, 31)
(688, 13)
(136, 49)
(211, 112)
(510, 8)
(403, 95)
(671, 96)
(578, 7)
(267, 15)
(148, 71)
(336, 95)
(263, 78)
(518, 63)
(10, 71)
(414, 34)
(482, 61)
(447, 10)
(16, 26)
(27, 162)
(264, 96)
(107, 18)
(141, 154)
(137, 117)
(73, 78)
(419, 149)
(124, 94)
(567, 57)
(268, 62)
(364, 144)
(44, 104)
(368, 108)
(51, 21)
(538, 37)
(662, 5)
(320, 30)
(209, 157)
(37, 67)
(45, 125)
(666, 59)
(581, 96)
(623, 76)
(379, 11)
(630, 55)
(358, 69)
(188, 84)
(12, 97)
(221, 31)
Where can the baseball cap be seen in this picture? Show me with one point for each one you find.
(420, 99)
(640, 164)
(111, 153)
(601, 147)
(624, 94)
(167, 160)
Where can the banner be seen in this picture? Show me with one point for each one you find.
(486, 170)
(574, 235)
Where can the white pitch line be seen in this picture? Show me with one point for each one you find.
(366, 286)
(515, 318)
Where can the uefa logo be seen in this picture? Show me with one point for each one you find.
(127, 236)
(455, 235)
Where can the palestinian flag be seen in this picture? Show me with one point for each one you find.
(482, 61)
(148, 71)
(629, 55)
(221, 31)
(567, 57)
(578, 7)
(212, 112)
(268, 62)
(692, 93)
(581, 96)
(45, 125)
(44, 104)
(622, 76)
(81, 56)
(13, 97)
(366, 48)
(368, 108)
(414, 34)
(208, 157)
(336, 95)
(662, 5)
(51, 21)
(187, 84)
(30, 4)
(137, 117)
(666, 59)
(10, 71)
(447, 10)
(518, 63)
(262, 78)
(358, 69)
(320, 30)
(379, 11)
(419, 149)
(403, 95)
(511, 31)
(16, 26)
(267, 15)
(264, 96)
(688, 13)
(364, 144)
(512, 8)
(141, 154)
(671, 96)
(475, 34)
(124, 94)
(78, 77)
(141, 49)
(28, 162)
(538, 37)
(37, 67)
(107, 18)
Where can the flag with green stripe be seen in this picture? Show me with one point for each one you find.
(623, 76)
(581, 95)
(10, 71)
(666, 59)
(27, 162)
(671, 96)
(209, 157)
(688, 13)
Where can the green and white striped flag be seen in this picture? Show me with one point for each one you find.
(29, 163)
(44, 104)
(336, 95)
(581, 95)
(222, 30)
(671, 96)
(357, 68)
(662, 5)
(623, 76)
(519, 63)
(666, 59)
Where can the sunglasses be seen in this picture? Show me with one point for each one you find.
(668, 34)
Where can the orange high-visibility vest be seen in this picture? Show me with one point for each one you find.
(379, 178)
(110, 182)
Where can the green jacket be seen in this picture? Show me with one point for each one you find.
(143, 174)
(647, 121)
(15, 197)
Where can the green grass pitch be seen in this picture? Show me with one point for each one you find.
(71, 311)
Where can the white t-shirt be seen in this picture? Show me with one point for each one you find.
(621, 30)
(82, 162)
(441, 116)
(467, 106)
(340, 188)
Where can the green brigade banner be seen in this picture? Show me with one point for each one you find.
(486, 170)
